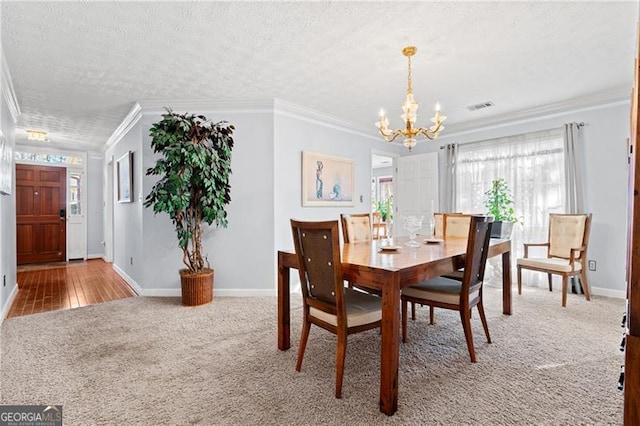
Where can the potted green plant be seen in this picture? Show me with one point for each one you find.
(499, 204)
(194, 170)
(385, 209)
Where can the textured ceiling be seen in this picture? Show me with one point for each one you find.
(78, 67)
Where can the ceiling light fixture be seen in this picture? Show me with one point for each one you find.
(37, 135)
(410, 108)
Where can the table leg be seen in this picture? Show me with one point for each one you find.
(284, 306)
(506, 283)
(390, 347)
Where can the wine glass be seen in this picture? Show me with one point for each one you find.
(413, 223)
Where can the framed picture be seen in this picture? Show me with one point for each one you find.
(327, 180)
(6, 166)
(125, 178)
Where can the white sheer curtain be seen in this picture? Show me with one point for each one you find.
(533, 165)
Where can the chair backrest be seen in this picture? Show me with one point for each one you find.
(376, 224)
(456, 225)
(317, 246)
(438, 231)
(356, 228)
(479, 233)
(567, 231)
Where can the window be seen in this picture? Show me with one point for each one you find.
(34, 157)
(75, 198)
(533, 167)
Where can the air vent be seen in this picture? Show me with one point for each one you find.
(480, 106)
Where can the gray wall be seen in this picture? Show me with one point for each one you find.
(293, 135)
(265, 194)
(604, 167)
(95, 207)
(8, 257)
(127, 217)
(240, 254)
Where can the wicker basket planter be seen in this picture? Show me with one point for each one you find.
(197, 289)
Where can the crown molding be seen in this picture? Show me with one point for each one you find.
(8, 91)
(584, 103)
(275, 106)
(246, 106)
(289, 109)
(129, 121)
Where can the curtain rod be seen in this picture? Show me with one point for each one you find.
(579, 125)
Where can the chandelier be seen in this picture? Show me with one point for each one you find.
(410, 108)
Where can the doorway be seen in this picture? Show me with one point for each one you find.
(382, 179)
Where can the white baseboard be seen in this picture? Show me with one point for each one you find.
(596, 291)
(134, 285)
(217, 292)
(96, 256)
(7, 306)
(161, 292)
(242, 292)
(607, 292)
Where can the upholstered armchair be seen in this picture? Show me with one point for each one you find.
(566, 252)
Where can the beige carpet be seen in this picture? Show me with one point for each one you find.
(150, 361)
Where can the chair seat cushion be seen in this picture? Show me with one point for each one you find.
(362, 308)
(552, 264)
(442, 290)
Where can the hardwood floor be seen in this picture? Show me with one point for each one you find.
(66, 285)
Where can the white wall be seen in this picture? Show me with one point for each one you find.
(8, 259)
(604, 166)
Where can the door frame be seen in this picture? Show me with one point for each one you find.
(39, 150)
(394, 171)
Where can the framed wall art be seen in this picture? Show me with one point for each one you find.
(327, 180)
(6, 166)
(125, 178)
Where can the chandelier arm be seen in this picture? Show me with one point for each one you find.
(427, 133)
(390, 137)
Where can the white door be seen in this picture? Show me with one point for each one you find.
(416, 190)
(76, 215)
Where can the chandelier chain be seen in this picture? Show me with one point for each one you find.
(409, 85)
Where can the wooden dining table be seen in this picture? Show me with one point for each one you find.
(390, 271)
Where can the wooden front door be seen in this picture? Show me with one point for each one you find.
(40, 213)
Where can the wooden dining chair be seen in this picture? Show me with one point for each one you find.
(438, 229)
(458, 295)
(379, 228)
(326, 302)
(566, 252)
(448, 225)
(356, 228)
(456, 225)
